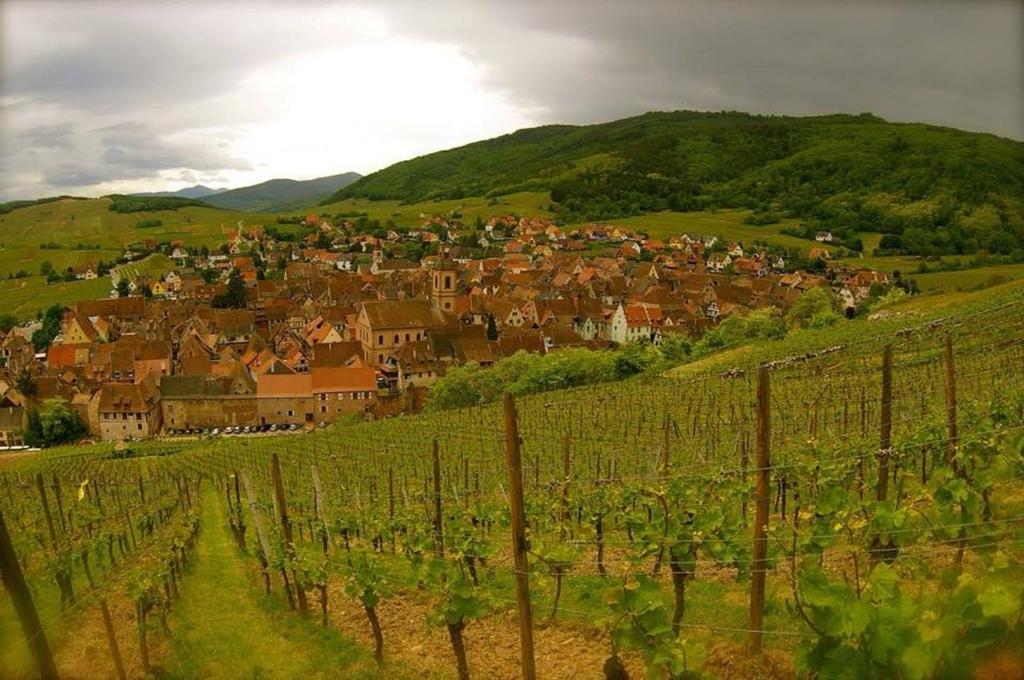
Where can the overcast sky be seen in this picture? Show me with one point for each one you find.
(98, 97)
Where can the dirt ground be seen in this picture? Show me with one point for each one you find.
(563, 650)
(85, 652)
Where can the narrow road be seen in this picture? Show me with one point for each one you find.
(225, 627)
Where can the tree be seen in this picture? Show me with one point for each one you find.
(812, 302)
(7, 322)
(51, 319)
(123, 287)
(46, 268)
(234, 296)
(58, 422)
(26, 383)
(492, 328)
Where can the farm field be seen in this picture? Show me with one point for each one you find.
(642, 519)
(969, 279)
(90, 222)
(155, 265)
(411, 214)
(726, 224)
(24, 297)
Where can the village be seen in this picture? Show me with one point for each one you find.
(269, 334)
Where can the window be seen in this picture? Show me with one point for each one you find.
(396, 338)
(407, 337)
(447, 282)
(380, 339)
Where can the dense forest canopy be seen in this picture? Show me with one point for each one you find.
(929, 189)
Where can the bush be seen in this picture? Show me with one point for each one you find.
(807, 305)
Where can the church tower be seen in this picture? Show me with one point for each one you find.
(444, 283)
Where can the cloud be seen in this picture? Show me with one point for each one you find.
(959, 64)
(143, 96)
(131, 146)
(73, 174)
(57, 136)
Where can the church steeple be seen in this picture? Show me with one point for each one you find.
(445, 282)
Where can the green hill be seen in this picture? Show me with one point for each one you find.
(281, 194)
(930, 190)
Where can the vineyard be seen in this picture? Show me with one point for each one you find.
(851, 510)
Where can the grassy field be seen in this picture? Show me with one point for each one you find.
(154, 266)
(870, 239)
(24, 297)
(91, 222)
(412, 214)
(969, 279)
(727, 224)
(963, 279)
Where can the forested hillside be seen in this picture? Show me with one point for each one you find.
(929, 189)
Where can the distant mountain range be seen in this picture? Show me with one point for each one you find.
(271, 196)
(197, 191)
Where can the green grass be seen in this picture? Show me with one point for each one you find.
(871, 240)
(224, 627)
(412, 214)
(969, 279)
(726, 224)
(91, 222)
(962, 279)
(154, 266)
(24, 297)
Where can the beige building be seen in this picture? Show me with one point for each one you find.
(129, 411)
(285, 399)
(384, 327)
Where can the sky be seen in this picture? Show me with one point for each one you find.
(105, 97)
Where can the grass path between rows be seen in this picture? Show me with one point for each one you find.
(225, 627)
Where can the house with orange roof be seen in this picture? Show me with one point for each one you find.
(338, 391)
(285, 399)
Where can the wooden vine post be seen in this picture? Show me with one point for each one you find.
(115, 651)
(563, 513)
(438, 519)
(14, 583)
(882, 547)
(520, 546)
(951, 434)
(885, 436)
(286, 530)
(325, 537)
(261, 534)
(391, 506)
(759, 565)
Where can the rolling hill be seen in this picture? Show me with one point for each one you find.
(197, 191)
(281, 194)
(931, 190)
